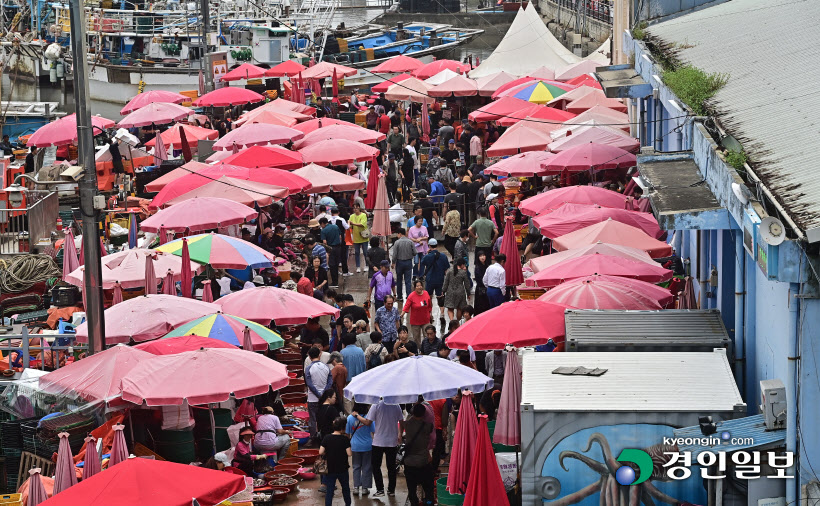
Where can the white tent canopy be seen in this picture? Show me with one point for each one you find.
(442, 77)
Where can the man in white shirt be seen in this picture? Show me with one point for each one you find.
(388, 418)
(495, 279)
(317, 379)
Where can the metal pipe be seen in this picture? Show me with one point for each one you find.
(207, 72)
(92, 284)
(658, 123)
(791, 385)
(740, 302)
(703, 267)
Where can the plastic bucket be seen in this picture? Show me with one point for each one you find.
(446, 498)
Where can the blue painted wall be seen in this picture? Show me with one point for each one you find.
(809, 398)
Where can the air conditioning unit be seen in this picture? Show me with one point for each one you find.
(773, 403)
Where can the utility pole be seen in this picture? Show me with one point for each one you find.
(206, 69)
(92, 284)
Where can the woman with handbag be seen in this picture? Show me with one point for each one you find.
(335, 450)
(361, 431)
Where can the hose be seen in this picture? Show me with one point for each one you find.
(24, 271)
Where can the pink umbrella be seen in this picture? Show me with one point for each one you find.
(590, 157)
(598, 264)
(664, 297)
(70, 260)
(168, 285)
(536, 113)
(577, 69)
(613, 232)
(82, 254)
(196, 215)
(383, 86)
(193, 134)
(129, 267)
(312, 125)
(247, 342)
(436, 66)
(585, 80)
(410, 89)
(36, 490)
(522, 165)
(269, 117)
(458, 86)
(119, 449)
(257, 134)
(207, 294)
(323, 70)
(488, 85)
(595, 99)
(150, 280)
(518, 139)
(244, 71)
(157, 113)
(542, 73)
(381, 210)
(498, 109)
(485, 488)
(598, 248)
(328, 180)
(92, 458)
(173, 345)
(241, 191)
(224, 97)
(149, 97)
(65, 475)
(571, 217)
(117, 298)
(202, 377)
(285, 69)
(509, 247)
(372, 185)
(186, 280)
(597, 294)
(553, 199)
(338, 152)
(349, 132)
(160, 151)
(398, 64)
(508, 420)
(64, 131)
(597, 135)
(565, 99)
(261, 156)
(605, 115)
(464, 440)
(267, 303)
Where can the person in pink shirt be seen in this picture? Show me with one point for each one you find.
(418, 234)
(476, 147)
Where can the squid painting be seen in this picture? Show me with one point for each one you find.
(612, 493)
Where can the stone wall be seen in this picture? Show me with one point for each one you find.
(561, 22)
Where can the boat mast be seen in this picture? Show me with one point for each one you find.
(206, 70)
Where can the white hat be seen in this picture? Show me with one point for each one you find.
(492, 196)
(257, 280)
(222, 457)
(432, 242)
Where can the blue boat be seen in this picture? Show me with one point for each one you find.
(23, 118)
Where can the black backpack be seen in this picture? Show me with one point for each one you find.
(375, 359)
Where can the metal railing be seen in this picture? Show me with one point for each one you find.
(21, 229)
(21, 343)
(599, 10)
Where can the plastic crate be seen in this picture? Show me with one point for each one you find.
(11, 500)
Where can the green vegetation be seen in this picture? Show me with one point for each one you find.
(693, 85)
(736, 159)
(639, 30)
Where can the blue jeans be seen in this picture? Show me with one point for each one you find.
(360, 248)
(416, 270)
(404, 271)
(417, 175)
(330, 483)
(496, 296)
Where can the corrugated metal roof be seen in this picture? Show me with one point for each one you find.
(642, 382)
(750, 427)
(770, 103)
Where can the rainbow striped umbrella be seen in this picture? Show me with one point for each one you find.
(539, 92)
(229, 329)
(221, 251)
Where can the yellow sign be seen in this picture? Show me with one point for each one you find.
(220, 68)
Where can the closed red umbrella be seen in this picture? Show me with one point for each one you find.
(381, 210)
(119, 449)
(372, 185)
(383, 86)
(224, 97)
(687, 299)
(335, 88)
(591, 156)
(425, 124)
(597, 294)
(338, 152)
(464, 440)
(517, 323)
(187, 279)
(265, 156)
(598, 264)
(117, 298)
(244, 71)
(537, 113)
(36, 490)
(527, 164)
(207, 294)
(399, 63)
(349, 132)
(150, 277)
(613, 232)
(509, 247)
(65, 475)
(571, 217)
(257, 134)
(92, 458)
(168, 285)
(485, 488)
(247, 342)
(285, 69)
(508, 420)
(71, 261)
(614, 250)
(267, 303)
(553, 199)
(179, 344)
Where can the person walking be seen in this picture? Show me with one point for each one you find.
(387, 322)
(404, 250)
(361, 431)
(457, 286)
(376, 352)
(417, 470)
(336, 450)
(452, 224)
(318, 381)
(420, 309)
(358, 221)
(495, 279)
(419, 235)
(353, 358)
(485, 233)
(433, 268)
(383, 283)
(342, 254)
(387, 418)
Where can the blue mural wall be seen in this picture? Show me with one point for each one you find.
(579, 475)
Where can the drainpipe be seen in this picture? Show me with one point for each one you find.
(791, 389)
(640, 113)
(703, 267)
(740, 302)
(658, 122)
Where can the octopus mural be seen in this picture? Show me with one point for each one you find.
(612, 493)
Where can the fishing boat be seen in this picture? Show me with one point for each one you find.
(23, 118)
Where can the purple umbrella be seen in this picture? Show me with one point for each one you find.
(508, 421)
(92, 458)
(70, 260)
(168, 285)
(247, 342)
(150, 277)
(36, 490)
(186, 281)
(119, 450)
(65, 476)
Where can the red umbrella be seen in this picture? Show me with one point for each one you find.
(581, 91)
(157, 113)
(518, 139)
(381, 210)
(664, 297)
(597, 294)
(585, 80)
(605, 115)
(598, 135)
(193, 134)
(312, 125)
(207, 294)
(65, 476)
(350, 132)
(265, 156)
(36, 490)
(323, 70)
(117, 298)
(141, 481)
(119, 449)
(257, 134)
(553, 199)
(168, 285)
(186, 148)
(613, 232)
(270, 117)
(598, 248)
(64, 131)
(387, 83)
(92, 458)
(485, 488)
(335, 88)
(202, 376)
(197, 215)
(509, 247)
(425, 124)
(70, 260)
(326, 180)
(598, 264)
(595, 99)
(187, 280)
(285, 69)
(687, 299)
(242, 191)
(436, 66)
(571, 217)
(464, 439)
(224, 97)
(400, 63)
(149, 97)
(537, 112)
(338, 152)
(498, 109)
(372, 185)
(173, 345)
(244, 71)
(535, 323)
(591, 156)
(458, 86)
(150, 277)
(508, 420)
(527, 164)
